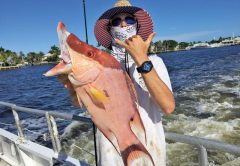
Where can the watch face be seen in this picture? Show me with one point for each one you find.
(147, 66)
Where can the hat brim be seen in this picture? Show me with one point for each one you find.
(101, 30)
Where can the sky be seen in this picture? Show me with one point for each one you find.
(30, 25)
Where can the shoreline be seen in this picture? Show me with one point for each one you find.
(2, 68)
(10, 67)
(167, 51)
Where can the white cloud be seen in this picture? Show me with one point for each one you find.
(186, 36)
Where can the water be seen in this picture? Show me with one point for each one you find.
(206, 88)
(29, 88)
(207, 92)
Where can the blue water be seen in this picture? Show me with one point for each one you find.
(189, 68)
(200, 75)
(28, 87)
(205, 84)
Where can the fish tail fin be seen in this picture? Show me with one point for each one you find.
(136, 154)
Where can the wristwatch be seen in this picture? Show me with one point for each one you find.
(145, 67)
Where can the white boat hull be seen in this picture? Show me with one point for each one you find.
(14, 152)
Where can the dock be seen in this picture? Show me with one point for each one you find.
(21, 65)
(9, 67)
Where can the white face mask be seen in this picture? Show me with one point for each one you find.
(121, 33)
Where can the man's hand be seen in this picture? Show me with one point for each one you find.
(137, 48)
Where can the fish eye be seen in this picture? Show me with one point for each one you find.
(90, 54)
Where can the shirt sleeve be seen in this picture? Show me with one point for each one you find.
(161, 70)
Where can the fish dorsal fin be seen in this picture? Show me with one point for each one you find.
(131, 86)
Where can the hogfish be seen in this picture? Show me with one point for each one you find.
(107, 92)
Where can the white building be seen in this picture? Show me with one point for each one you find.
(46, 56)
(237, 40)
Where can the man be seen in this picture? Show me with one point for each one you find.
(128, 31)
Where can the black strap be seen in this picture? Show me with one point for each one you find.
(127, 63)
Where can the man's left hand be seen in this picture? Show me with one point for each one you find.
(137, 48)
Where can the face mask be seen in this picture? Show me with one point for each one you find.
(121, 33)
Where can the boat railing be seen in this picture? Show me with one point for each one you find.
(202, 144)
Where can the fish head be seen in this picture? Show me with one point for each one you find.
(78, 57)
(84, 57)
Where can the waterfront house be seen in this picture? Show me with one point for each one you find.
(46, 56)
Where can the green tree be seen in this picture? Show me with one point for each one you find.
(159, 46)
(39, 56)
(55, 51)
(183, 45)
(21, 57)
(150, 48)
(31, 57)
(8, 57)
(2, 50)
(169, 45)
(220, 39)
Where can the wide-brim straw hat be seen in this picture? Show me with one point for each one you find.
(102, 31)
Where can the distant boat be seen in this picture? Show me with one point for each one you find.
(215, 45)
(199, 46)
(228, 42)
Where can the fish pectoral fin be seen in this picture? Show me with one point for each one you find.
(136, 154)
(99, 97)
(137, 127)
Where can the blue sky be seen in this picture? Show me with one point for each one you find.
(30, 25)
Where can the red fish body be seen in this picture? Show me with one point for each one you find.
(106, 91)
